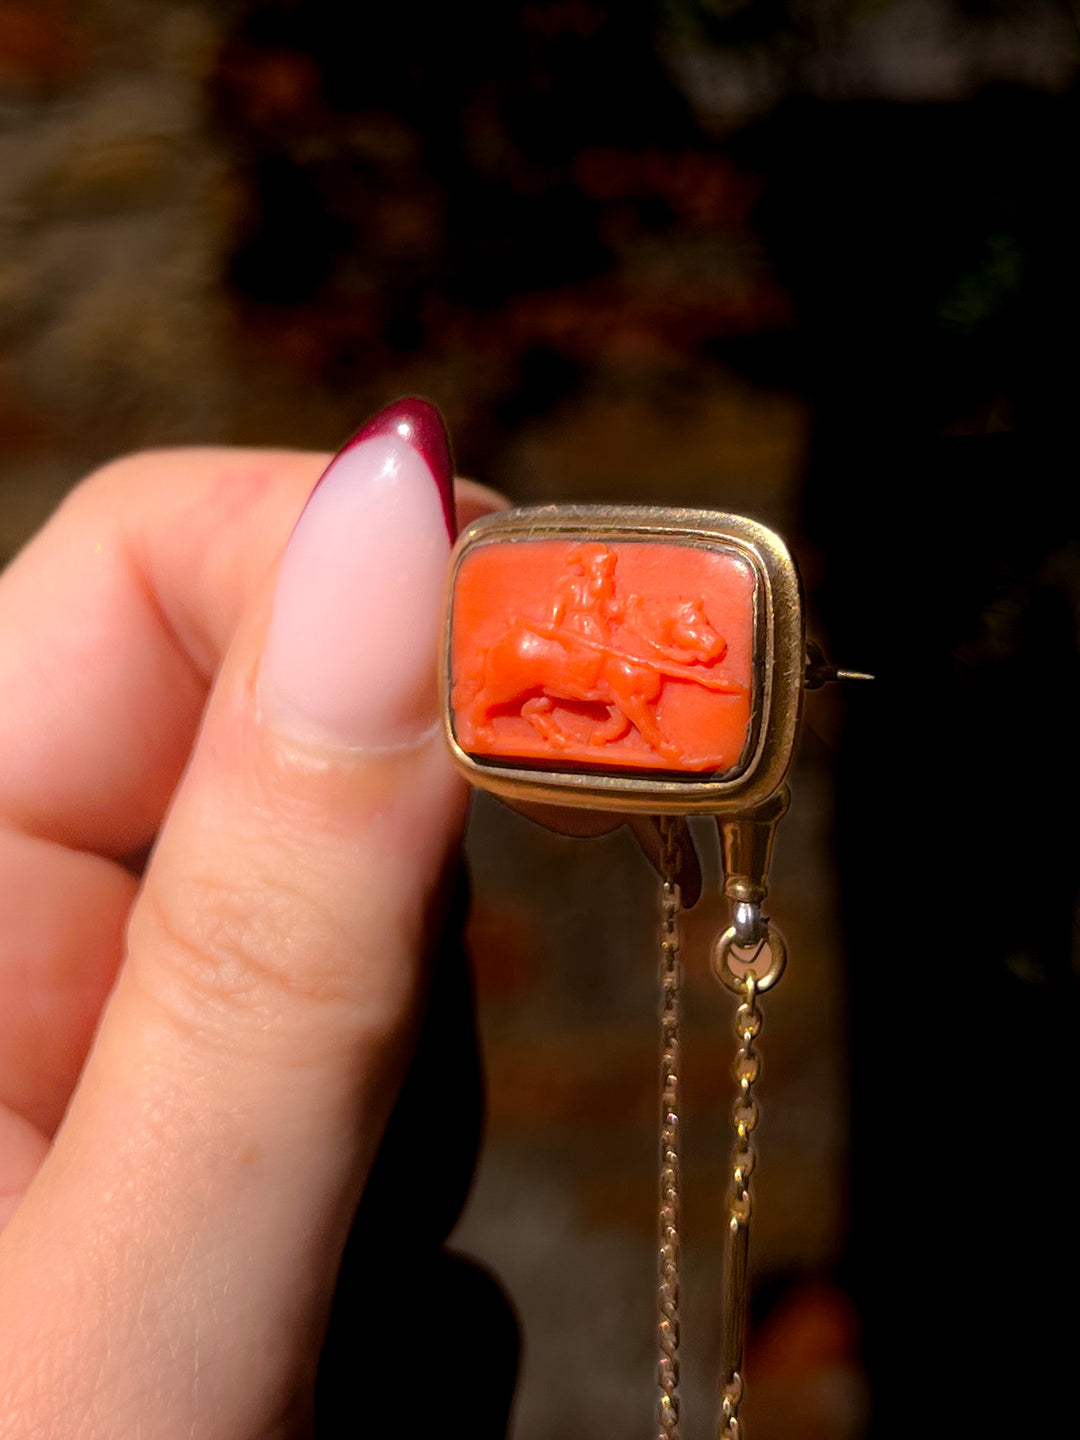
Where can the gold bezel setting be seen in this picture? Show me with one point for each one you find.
(779, 660)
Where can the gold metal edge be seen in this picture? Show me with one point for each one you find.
(779, 621)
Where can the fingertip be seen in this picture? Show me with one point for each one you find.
(474, 500)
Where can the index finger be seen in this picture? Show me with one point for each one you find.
(112, 622)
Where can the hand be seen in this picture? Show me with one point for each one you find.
(196, 1066)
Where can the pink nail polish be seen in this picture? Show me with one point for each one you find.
(351, 652)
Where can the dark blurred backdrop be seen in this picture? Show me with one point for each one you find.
(811, 259)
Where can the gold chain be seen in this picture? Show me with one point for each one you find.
(745, 1118)
(747, 984)
(668, 1290)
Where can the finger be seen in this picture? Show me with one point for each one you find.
(113, 621)
(134, 589)
(22, 1149)
(180, 1241)
(61, 933)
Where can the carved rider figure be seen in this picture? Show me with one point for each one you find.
(585, 600)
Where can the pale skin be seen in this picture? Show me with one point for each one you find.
(198, 1058)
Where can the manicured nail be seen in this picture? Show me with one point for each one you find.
(352, 648)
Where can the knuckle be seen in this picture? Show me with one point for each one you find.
(270, 954)
(101, 486)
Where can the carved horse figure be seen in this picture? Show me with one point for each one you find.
(536, 665)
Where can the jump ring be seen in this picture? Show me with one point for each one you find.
(736, 980)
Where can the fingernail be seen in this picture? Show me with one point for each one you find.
(351, 652)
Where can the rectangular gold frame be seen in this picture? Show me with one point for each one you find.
(779, 661)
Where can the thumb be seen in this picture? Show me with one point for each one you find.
(176, 1253)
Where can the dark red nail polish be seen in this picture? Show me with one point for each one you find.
(419, 423)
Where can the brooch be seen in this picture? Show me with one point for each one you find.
(651, 662)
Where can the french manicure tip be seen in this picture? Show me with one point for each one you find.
(350, 654)
(419, 424)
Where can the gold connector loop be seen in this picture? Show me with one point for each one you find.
(725, 953)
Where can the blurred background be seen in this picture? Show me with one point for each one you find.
(815, 260)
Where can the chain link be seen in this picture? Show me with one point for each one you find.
(668, 1289)
(745, 1118)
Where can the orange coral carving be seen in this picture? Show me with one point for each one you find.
(626, 655)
